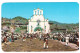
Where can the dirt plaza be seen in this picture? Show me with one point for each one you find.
(35, 45)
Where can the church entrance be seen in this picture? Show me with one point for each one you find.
(38, 29)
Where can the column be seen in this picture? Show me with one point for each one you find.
(36, 12)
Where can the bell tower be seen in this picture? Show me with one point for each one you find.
(38, 12)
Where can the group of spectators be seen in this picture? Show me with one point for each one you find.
(9, 37)
(64, 37)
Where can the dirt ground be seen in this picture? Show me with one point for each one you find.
(35, 45)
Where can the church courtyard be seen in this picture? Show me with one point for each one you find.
(35, 45)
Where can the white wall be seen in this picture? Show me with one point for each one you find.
(33, 22)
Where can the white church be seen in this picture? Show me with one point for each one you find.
(38, 23)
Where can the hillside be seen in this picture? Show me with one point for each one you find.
(55, 24)
(19, 19)
(69, 27)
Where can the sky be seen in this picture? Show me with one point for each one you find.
(64, 12)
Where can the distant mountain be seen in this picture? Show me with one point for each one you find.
(55, 22)
(59, 25)
(21, 19)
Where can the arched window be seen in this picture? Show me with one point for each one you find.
(45, 27)
(38, 21)
(38, 12)
(35, 12)
(31, 28)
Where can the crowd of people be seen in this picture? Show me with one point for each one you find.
(64, 37)
(9, 37)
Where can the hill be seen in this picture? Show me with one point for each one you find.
(55, 24)
(69, 27)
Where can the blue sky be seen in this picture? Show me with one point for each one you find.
(64, 12)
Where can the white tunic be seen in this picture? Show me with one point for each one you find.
(67, 39)
(40, 35)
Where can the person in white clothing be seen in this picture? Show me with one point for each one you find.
(67, 40)
(40, 36)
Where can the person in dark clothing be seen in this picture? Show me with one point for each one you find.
(12, 37)
(31, 37)
(45, 42)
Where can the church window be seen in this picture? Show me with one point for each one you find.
(31, 28)
(38, 21)
(38, 12)
(45, 27)
(35, 12)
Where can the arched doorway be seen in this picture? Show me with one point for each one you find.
(38, 29)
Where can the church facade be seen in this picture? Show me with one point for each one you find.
(38, 23)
